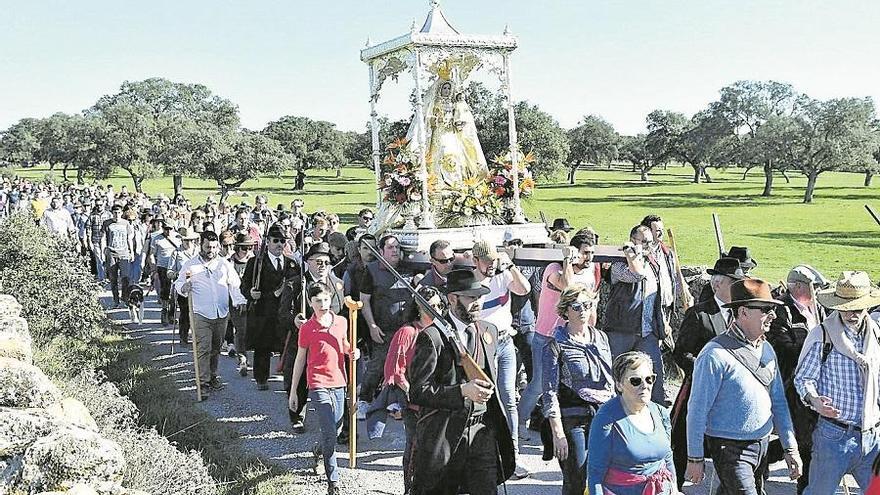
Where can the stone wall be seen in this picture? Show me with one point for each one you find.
(48, 443)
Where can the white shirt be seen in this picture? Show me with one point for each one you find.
(725, 312)
(213, 284)
(496, 304)
(277, 261)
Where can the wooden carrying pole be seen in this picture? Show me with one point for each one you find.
(685, 300)
(873, 214)
(719, 238)
(353, 307)
(192, 331)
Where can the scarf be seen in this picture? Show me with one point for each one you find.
(868, 358)
(654, 483)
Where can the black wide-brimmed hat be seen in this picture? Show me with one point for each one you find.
(242, 239)
(277, 232)
(729, 267)
(561, 224)
(742, 254)
(751, 291)
(464, 282)
(318, 249)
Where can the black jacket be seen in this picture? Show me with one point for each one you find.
(264, 331)
(701, 323)
(435, 377)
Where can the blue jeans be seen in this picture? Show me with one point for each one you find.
(533, 391)
(574, 467)
(741, 465)
(837, 451)
(118, 271)
(650, 345)
(329, 407)
(506, 354)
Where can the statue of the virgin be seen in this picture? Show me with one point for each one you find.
(452, 148)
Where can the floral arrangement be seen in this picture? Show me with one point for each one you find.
(501, 176)
(468, 203)
(400, 183)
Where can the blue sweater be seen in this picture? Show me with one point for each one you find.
(727, 401)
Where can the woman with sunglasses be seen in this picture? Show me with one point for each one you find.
(630, 452)
(576, 381)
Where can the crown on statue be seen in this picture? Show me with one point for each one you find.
(444, 70)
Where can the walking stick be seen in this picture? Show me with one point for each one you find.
(873, 214)
(353, 307)
(718, 237)
(192, 329)
(685, 300)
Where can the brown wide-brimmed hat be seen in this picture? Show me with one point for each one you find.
(751, 291)
(852, 292)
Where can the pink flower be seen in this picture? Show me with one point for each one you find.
(404, 181)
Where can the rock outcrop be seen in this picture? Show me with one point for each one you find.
(48, 443)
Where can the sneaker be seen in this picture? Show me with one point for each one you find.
(333, 488)
(231, 350)
(242, 366)
(223, 347)
(362, 410)
(298, 426)
(520, 472)
(216, 384)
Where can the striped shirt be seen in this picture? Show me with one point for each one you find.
(838, 378)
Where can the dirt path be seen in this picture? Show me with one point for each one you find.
(262, 423)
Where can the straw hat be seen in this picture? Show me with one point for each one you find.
(852, 292)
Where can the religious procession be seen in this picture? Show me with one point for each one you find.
(482, 341)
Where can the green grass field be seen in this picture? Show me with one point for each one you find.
(834, 233)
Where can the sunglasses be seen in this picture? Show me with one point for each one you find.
(443, 261)
(245, 248)
(579, 306)
(276, 241)
(321, 262)
(227, 246)
(367, 218)
(636, 381)
(764, 309)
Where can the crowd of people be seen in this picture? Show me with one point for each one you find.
(474, 351)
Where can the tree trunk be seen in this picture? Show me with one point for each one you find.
(635, 167)
(869, 176)
(338, 172)
(746, 172)
(300, 183)
(64, 171)
(178, 184)
(665, 165)
(768, 179)
(644, 174)
(811, 186)
(80, 180)
(224, 192)
(138, 183)
(698, 172)
(785, 175)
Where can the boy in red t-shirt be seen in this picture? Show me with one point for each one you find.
(323, 347)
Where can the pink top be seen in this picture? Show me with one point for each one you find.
(547, 319)
(400, 354)
(327, 348)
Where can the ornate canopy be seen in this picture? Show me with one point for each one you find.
(426, 53)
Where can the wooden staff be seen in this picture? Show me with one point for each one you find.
(192, 330)
(685, 293)
(873, 214)
(719, 238)
(353, 307)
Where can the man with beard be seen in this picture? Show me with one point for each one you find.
(841, 382)
(162, 249)
(317, 266)
(462, 441)
(262, 284)
(209, 282)
(737, 398)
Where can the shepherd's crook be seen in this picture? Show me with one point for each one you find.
(353, 307)
(873, 214)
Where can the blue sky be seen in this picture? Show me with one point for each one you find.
(616, 58)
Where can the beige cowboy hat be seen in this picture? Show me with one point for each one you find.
(852, 292)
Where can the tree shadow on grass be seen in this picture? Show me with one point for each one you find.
(861, 238)
(682, 200)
